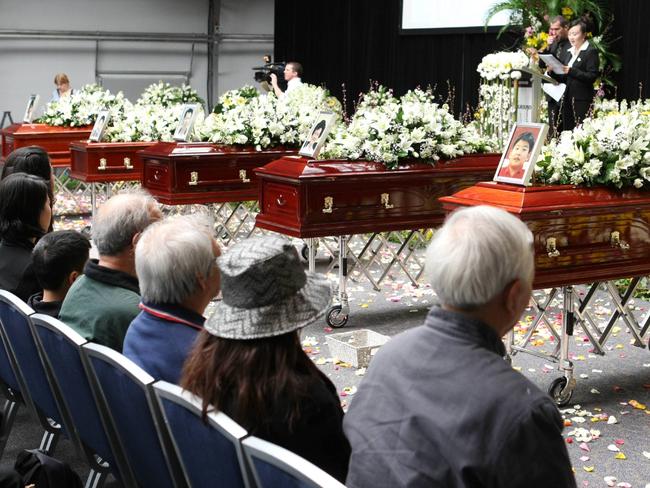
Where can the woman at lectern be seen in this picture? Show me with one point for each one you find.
(580, 72)
(63, 88)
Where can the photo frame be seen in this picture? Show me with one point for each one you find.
(317, 135)
(518, 160)
(32, 102)
(186, 122)
(99, 129)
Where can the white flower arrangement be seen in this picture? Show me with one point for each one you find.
(500, 65)
(612, 148)
(166, 95)
(266, 121)
(155, 115)
(389, 130)
(235, 98)
(80, 109)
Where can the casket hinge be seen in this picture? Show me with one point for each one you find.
(385, 201)
(615, 241)
(328, 205)
(551, 247)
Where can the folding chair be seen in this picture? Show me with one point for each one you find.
(23, 373)
(127, 392)
(211, 453)
(276, 467)
(61, 352)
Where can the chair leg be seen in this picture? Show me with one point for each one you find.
(8, 417)
(96, 479)
(49, 442)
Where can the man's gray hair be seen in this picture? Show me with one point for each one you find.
(476, 254)
(171, 255)
(120, 219)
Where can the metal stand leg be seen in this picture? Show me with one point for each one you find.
(93, 200)
(561, 390)
(311, 247)
(337, 315)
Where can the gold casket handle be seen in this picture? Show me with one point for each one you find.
(127, 163)
(551, 247)
(102, 164)
(328, 205)
(385, 201)
(615, 241)
(242, 176)
(194, 178)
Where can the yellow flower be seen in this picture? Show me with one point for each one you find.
(567, 12)
(543, 36)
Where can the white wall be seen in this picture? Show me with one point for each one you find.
(29, 65)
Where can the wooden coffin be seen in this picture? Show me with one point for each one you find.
(581, 234)
(306, 198)
(55, 140)
(181, 173)
(95, 162)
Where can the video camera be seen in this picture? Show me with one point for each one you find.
(263, 73)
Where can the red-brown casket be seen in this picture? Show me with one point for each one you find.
(94, 162)
(581, 234)
(182, 173)
(304, 198)
(55, 140)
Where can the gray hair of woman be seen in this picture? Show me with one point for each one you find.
(476, 254)
(171, 255)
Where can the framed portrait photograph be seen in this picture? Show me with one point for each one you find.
(101, 123)
(317, 135)
(186, 122)
(518, 160)
(31, 107)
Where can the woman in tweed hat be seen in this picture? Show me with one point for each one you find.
(249, 363)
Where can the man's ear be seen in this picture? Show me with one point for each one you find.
(512, 297)
(72, 277)
(136, 238)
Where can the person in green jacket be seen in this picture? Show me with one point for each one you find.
(102, 303)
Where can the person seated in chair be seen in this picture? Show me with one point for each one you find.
(175, 260)
(25, 216)
(102, 303)
(249, 363)
(439, 405)
(58, 259)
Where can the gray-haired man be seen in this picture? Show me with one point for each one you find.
(176, 264)
(101, 304)
(439, 405)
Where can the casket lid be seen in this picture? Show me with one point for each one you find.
(550, 198)
(87, 146)
(43, 129)
(191, 149)
(299, 167)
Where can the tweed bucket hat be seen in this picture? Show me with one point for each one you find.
(265, 291)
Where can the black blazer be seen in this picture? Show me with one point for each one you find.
(580, 78)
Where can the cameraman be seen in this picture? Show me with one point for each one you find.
(292, 74)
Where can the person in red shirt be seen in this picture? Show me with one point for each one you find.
(517, 160)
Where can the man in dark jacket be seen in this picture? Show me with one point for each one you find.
(58, 259)
(439, 405)
(176, 264)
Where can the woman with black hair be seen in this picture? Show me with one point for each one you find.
(580, 72)
(25, 215)
(248, 361)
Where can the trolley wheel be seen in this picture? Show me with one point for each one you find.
(560, 397)
(335, 318)
(304, 252)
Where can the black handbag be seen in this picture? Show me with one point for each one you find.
(44, 471)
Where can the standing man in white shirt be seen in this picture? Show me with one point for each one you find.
(292, 74)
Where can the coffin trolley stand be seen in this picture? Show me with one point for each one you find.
(183, 174)
(56, 141)
(581, 235)
(312, 200)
